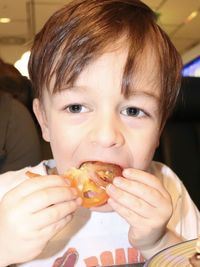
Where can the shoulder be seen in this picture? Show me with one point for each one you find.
(20, 122)
(20, 140)
(164, 173)
(4, 98)
(169, 179)
(14, 106)
(18, 110)
(185, 212)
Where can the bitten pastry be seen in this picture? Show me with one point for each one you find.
(91, 179)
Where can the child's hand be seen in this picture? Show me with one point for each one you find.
(31, 214)
(144, 203)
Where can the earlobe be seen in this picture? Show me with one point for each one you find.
(41, 118)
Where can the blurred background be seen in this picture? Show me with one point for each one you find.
(21, 143)
(20, 20)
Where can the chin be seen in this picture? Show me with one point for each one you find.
(103, 208)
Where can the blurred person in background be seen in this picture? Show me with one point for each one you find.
(20, 88)
(12, 82)
(19, 139)
(19, 136)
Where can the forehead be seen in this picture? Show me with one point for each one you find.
(147, 71)
(113, 61)
(110, 66)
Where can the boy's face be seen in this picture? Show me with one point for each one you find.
(93, 121)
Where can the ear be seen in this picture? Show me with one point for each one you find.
(42, 118)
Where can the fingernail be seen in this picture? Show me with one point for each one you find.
(127, 172)
(67, 181)
(74, 191)
(117, 181)
(79, 201)
(110, 188)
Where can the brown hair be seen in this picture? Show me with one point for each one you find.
(81, 31)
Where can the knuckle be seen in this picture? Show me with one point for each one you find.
(7, 199)
(59, 179)
(44, 195)
(152, 192)
(73, 206)
(60, 224)
(54, 213)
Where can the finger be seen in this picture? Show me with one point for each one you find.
(53, 214)
(130, 202)
(38, 183)
(131, 217)
(46, 197)
(51, 230)
(149, 194)
(145, 178)
(163, 209)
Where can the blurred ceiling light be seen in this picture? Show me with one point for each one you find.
(5, 20)
(22, 64)
(192, 16)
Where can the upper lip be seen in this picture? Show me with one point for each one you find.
(104, 161)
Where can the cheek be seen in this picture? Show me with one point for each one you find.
(64, 142)
(143, 148)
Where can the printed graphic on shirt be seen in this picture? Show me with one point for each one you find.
(69, 259)
(106, 258)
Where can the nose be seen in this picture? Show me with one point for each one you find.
(106, 132)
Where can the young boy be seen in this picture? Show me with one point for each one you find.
(107, 78)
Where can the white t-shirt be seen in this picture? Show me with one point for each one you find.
(95, 238)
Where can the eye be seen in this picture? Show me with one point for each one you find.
(133, 112)
(76, 108)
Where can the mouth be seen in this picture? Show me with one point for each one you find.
(102, 173)
(101, 162)
(91, 180)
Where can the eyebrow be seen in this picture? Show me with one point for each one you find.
(131, 92)
(145, 93)
(73, 88)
